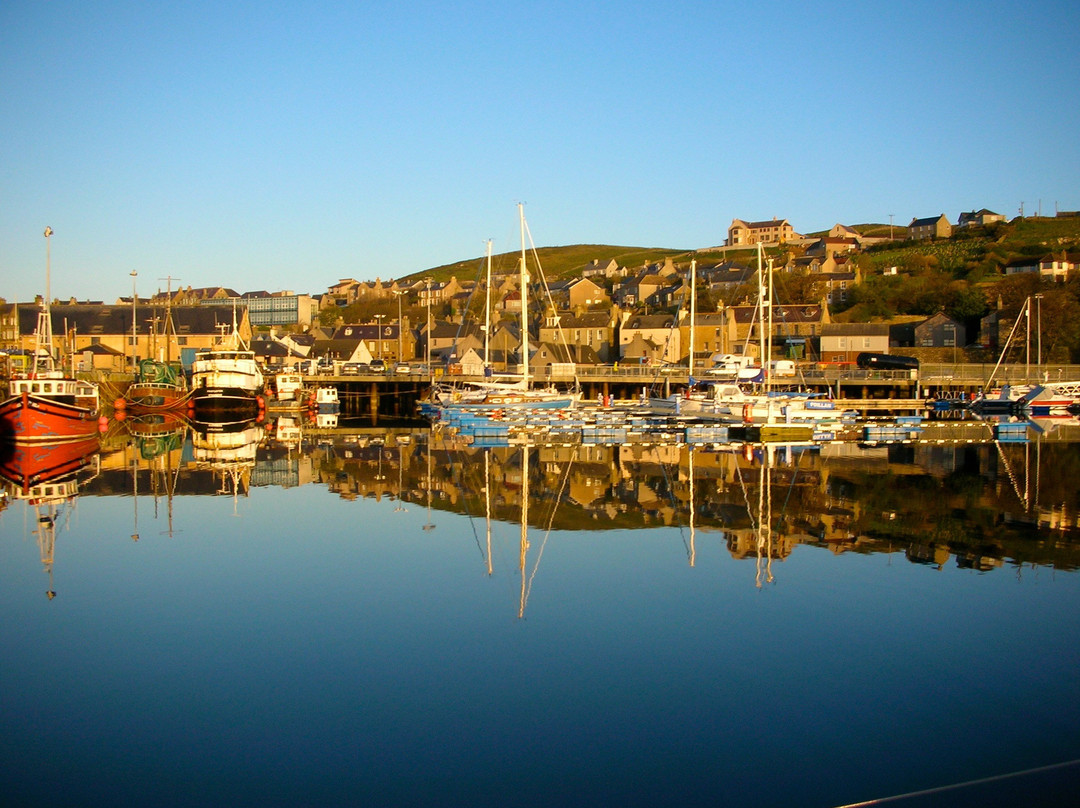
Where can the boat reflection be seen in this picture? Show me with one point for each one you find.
(983, 504)
(227, 449)
(47, 479)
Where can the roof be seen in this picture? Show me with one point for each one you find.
(640, 321)
(855, 329)
(102, 319)
(927, 221)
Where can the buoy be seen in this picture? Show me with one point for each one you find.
(103, 423)
(119, 415)
(120, 404)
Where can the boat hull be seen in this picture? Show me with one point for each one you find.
(156, 397)
(28, 465)
(223, 399)
(31, 419)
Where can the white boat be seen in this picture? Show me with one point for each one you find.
(288, 385)
(226, 376)
(517, 393)
(326, 399)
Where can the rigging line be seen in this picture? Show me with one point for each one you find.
(742, 484)
(465, 503)
(981, 781)
(550, 301)
(547, 532)
(791, 487)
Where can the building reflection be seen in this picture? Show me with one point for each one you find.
(980, 505)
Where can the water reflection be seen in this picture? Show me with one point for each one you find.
(612, 605)
(982, 503)
(46, 479)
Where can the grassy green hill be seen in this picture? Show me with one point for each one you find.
(557, 262)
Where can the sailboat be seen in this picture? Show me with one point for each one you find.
(729, 402)
(46, 404)
(516, 394)
(1047, 398)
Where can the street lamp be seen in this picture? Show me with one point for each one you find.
(134, 323)
(427, 334)
(378, 325)
(399, 293)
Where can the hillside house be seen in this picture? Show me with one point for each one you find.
(599, 269)
(940, 331)
(593, 330)
(1059, 266)
(842, 342)
(978, 217)
(652, 336)
(932, 227)
(742, 233)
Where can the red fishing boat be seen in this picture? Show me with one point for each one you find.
(45, 405)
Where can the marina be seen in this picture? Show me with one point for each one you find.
(336, 597)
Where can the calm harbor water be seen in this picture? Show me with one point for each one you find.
(362, 619)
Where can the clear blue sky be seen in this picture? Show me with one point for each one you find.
(266, 145)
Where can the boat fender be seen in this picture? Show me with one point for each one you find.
(746, 411)
(120, 404)
(103, 424)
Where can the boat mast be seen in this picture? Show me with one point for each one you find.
(524, 545)
(44, 335)
(693, 315)
(524, 304)
(768, 336)
(487, 310)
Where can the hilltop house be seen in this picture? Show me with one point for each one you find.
(742, 233)
(932, 227)
(977, 217)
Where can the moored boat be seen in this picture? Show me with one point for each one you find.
(158, 386)
(46, 405)
(517, 393)
(226, 377)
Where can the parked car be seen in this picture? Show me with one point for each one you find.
(378, 366)
(353, 368)
(403, 367)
